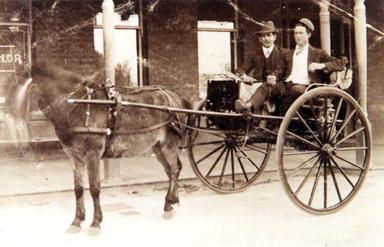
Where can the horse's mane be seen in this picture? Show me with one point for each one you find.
(60, 78)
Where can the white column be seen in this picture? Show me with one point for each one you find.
(361, 51)
(325, 26)
(108, 35)
(111, 166)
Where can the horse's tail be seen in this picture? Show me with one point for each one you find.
(16, 110)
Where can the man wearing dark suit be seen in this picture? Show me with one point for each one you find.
(265, 66)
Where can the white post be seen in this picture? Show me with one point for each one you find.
(108, 35)
(361, 51)
(325, 26)
(111, 167)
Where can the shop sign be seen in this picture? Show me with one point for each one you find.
(9, 58)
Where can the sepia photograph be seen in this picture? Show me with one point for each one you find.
(192, 123)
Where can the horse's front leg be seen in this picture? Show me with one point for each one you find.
(78, 173)
(93, 165)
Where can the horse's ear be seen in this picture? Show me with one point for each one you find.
(85, 83)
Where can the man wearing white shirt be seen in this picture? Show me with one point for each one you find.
(305, 64)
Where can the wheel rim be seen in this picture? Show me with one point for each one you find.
(224, 160)
(323, 150)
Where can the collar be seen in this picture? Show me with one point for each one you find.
(268, 50)
(299, 50)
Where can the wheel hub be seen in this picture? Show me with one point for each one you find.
(328, 149)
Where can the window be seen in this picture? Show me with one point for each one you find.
(126, 45)
(215, 49)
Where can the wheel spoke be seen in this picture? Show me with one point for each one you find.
(307, 177)
(249, 159)
(335, 117)
(302, 165)
(352, 148)
(224, 166)
(206, 143)
(303, 140)
(335, 181)
(314, 115)
(233, 168)
(350, 162)
(346, 121)
(315, 184)
(256, 149)
(326, 109)
(210, 153)
(300, 153)
(309, 128)
(242, 167)
(342, 172)
(325, 183)
(350, 135)
(215, 163)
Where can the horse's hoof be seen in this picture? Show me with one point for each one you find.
(168, 214)
(74, 229)
(93, 231)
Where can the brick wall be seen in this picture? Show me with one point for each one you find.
(171, 29)
(63, 34)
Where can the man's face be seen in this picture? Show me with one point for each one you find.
(267, 39)
(301, 36)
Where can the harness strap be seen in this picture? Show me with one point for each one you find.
(143, 130)
(107, 131)
(94, 130)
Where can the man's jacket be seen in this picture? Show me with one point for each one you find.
(259, 67)
(315, 55)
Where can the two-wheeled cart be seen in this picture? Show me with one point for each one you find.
(322, 142)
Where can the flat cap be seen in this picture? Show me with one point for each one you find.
(307, 23)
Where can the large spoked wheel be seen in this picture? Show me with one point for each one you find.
(222, 159)
(323, 150)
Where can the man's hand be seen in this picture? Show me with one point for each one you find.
(271, 80)
(248, 79)
(316, 66)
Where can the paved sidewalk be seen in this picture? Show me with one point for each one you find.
(53, 173)
(261, 216)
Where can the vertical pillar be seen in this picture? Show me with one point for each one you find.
(342, 38)
(325, 26)
(108, 35)
(361, 51)
(111, 167)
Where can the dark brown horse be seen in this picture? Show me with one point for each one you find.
(83, 130)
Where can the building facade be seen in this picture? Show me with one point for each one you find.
(176, 43)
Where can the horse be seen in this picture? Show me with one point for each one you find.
(91, 132)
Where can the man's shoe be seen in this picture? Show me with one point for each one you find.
(241, 106)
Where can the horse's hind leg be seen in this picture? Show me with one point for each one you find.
(167, 156)
(78, 173)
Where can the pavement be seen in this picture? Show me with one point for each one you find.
(45, 171)
(260, 216)
(37, 205)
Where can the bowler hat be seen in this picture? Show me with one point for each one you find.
(267, 27)
(307, 23)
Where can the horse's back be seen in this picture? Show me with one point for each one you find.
(135, 129)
